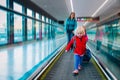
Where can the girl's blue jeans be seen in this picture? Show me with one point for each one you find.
(77, 61)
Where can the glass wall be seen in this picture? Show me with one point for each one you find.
(91, 33)
(17, 7)
(112, 36)
(18, 30)
(18, 24)
(49, 29)
(37, 25)
(46, 28)
(29, 26)
(53, 29)
(40, 33)
(59, 31)
(29, 29)
(43, 27)
(3, 3)
(109, 35)
(29, 12)
(105, 45)
(24, 27)
(3, 27)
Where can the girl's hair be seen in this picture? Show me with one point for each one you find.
(80, 29)
(71, 14)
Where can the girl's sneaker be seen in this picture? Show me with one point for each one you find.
(75, 72)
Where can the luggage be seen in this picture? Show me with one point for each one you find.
(87, 56)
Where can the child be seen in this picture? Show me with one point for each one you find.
(79, 40)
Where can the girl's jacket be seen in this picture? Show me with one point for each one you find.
(79, 44)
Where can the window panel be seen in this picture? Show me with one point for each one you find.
(29, 12)
(18, 28)
(3, 27)
(43, 30)
(43, 18)
(37, 16)
(29, 29)
(3, 3)
(17, 7)
(37, 29)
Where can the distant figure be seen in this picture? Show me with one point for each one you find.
(70, 25)
(98, 38)
(112, 34)
(79, 40)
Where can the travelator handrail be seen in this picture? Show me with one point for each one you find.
(108, 74)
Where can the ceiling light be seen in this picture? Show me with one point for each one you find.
(97, 11)
(99, 8)
(71, 5)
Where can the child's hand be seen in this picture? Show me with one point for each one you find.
(66, 51)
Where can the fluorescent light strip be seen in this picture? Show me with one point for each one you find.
(71, 5)
(97, 10)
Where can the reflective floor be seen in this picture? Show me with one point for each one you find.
(17, 60)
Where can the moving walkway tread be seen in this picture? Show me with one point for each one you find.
(62, 70)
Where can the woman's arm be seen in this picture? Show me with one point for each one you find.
(65, 25)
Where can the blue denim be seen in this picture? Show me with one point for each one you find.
(77, 61)
(69, 35)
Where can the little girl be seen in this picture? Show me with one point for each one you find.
(79, 40)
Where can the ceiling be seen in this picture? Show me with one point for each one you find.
(61, 9)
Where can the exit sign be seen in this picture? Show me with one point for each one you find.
(87, 19)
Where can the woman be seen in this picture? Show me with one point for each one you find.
(70, 25)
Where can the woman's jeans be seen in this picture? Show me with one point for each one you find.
(69, 35)
(77, 61)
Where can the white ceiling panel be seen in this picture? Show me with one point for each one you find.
(57, 8)
(60, 9)
(86, 7)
